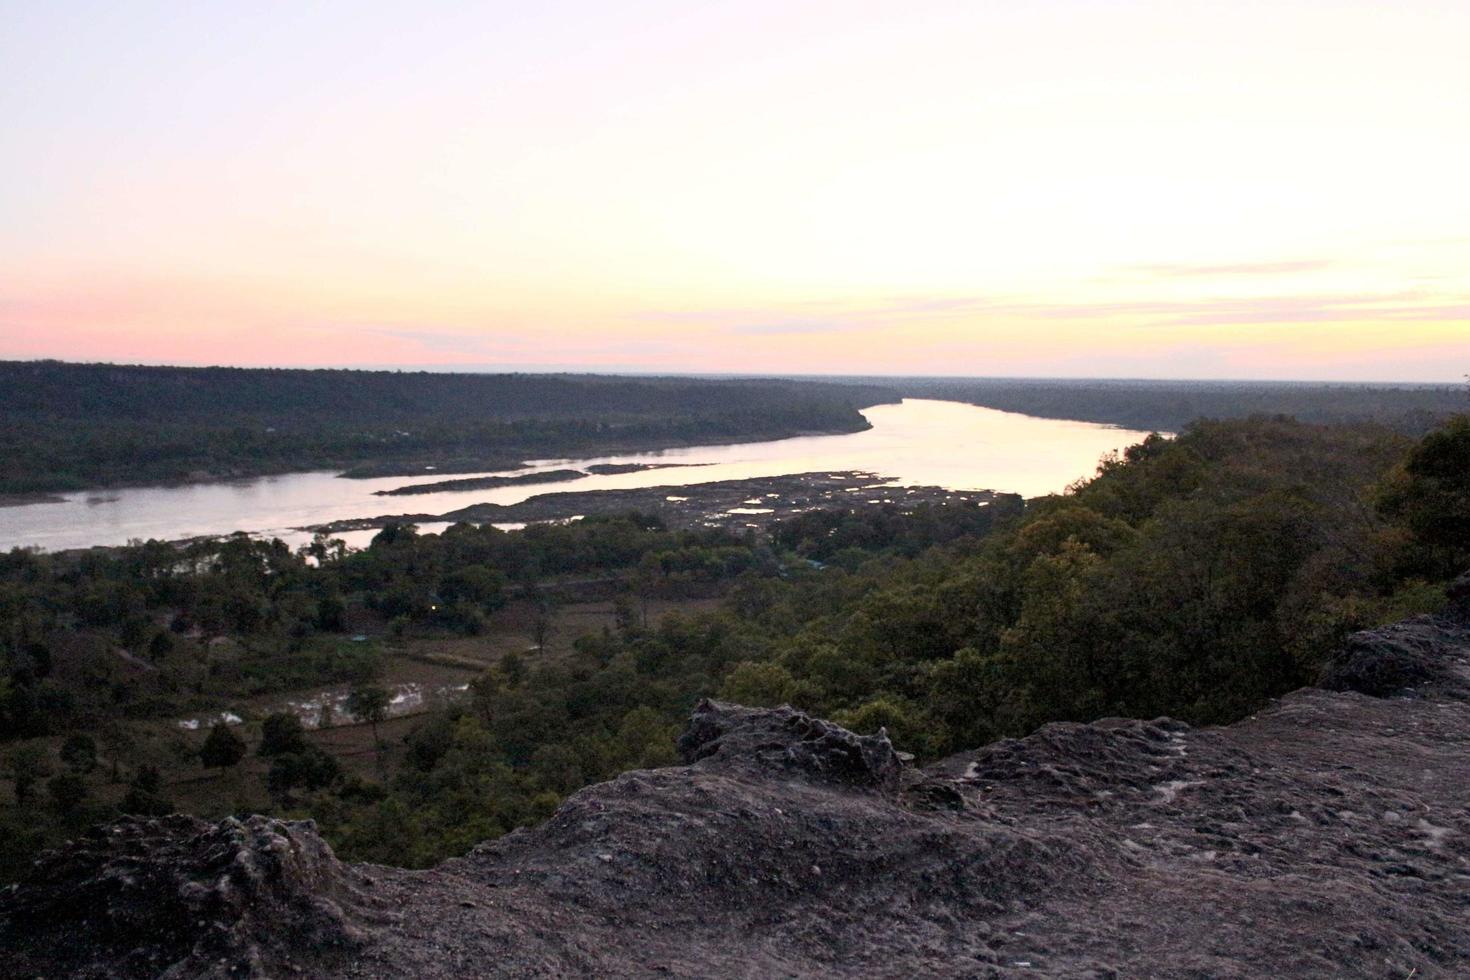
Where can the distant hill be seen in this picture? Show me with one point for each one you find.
(71, 426)
(98, 392)
(1168, 406)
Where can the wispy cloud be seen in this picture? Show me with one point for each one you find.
(757, 322)
(1400, 306)
(1404, 305)
(779, 328)
(1231, 270)
(1319, 308)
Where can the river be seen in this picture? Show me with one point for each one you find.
(916, 443)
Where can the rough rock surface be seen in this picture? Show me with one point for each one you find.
(1326, 836)
(182, 897)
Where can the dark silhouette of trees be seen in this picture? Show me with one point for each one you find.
(309, 768)
(79, 752)
(27, 765)
(281, 732)
(144, 796)
(222, 748)
(68, 791)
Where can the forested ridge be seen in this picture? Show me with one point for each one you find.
(1168, 406)
(71, 426)
(1196, 577)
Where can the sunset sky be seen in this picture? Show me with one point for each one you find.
(1051, 187)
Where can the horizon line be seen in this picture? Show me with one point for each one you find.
(593, 371)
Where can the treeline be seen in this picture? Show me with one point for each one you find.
(72, 426)
(1168, 406)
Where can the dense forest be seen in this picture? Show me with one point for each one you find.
(75, 426)
(1168, 406)
(1196, 577)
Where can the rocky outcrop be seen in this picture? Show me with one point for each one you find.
(783, 741)
(181, 897)
(1422, 652)
(1327, 835)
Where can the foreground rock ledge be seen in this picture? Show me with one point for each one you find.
(1326, 836)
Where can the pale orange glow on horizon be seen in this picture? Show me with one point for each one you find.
(1141, 189)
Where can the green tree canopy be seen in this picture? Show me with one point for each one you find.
(1430, 493)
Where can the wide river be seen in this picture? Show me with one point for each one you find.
(916, 443)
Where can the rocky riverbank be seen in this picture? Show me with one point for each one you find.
(482, 483)
(726, 503)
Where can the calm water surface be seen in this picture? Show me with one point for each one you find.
(918, 442)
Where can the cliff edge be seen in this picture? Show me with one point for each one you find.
(1327, 835)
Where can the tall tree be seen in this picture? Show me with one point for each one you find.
(369, 703)
(28, 766)
(222, 749)
(281, 732)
